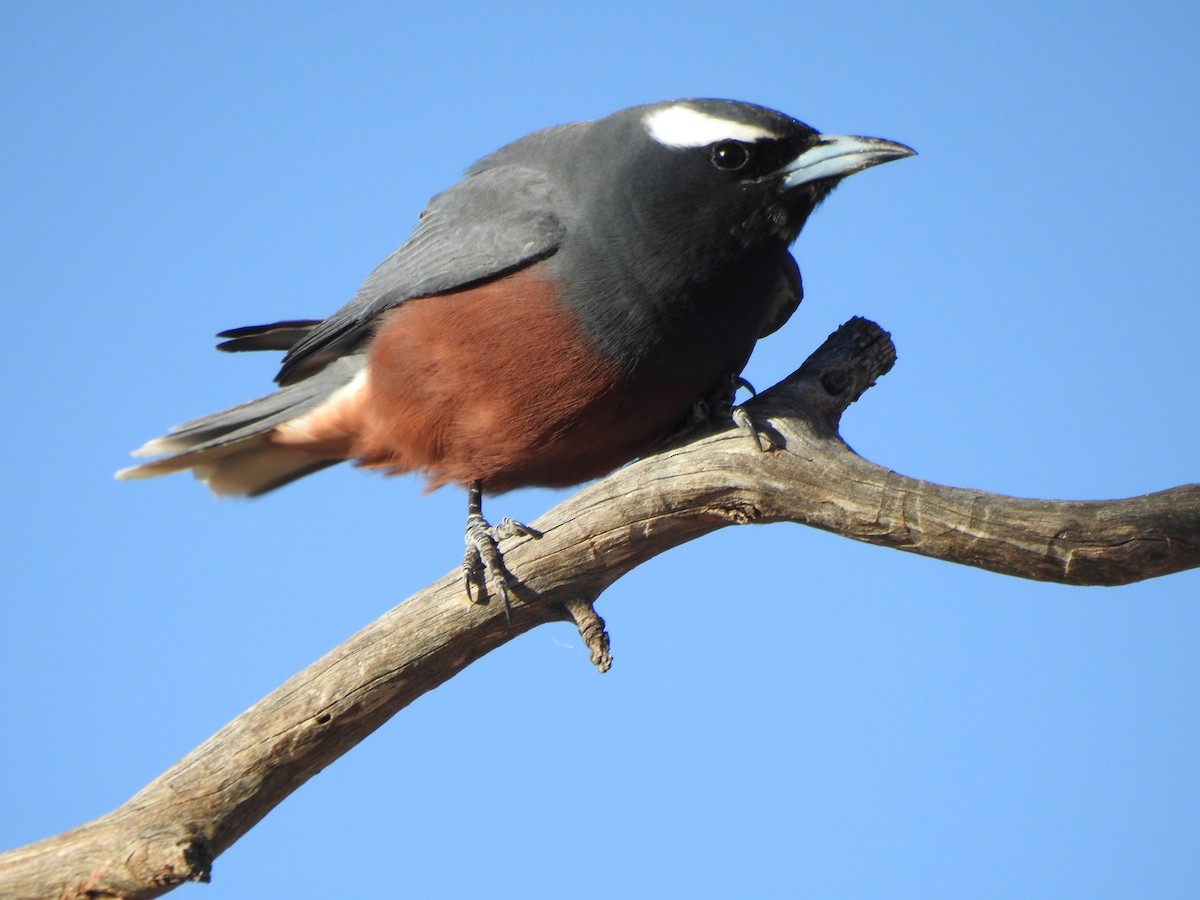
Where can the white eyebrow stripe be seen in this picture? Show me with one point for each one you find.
(682, 126)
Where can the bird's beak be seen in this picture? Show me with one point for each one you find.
(839, 155)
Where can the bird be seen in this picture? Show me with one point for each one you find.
(554, 315)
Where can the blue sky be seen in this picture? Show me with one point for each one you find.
(790, 714)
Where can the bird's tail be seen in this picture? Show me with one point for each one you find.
(232, 451)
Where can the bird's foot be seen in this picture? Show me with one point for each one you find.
(711, 411)
(718, 406)
(483, 560)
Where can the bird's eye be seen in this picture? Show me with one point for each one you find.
(730, 156)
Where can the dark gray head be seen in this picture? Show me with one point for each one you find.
(697, 176)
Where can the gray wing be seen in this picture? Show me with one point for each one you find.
(494, 222)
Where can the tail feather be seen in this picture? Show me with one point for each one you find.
(257, 469)
(230, 450)
(276, 336)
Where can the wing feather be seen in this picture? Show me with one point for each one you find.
(496, 221)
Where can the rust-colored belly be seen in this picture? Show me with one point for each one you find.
(497, 383)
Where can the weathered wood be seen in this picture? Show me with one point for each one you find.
(172, 829)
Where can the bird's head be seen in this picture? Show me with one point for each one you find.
(721, 165)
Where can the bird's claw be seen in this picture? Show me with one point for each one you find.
(743, 420)
(510, 527)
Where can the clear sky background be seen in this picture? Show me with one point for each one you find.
(790, 714)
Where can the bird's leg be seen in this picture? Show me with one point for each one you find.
(483, 557)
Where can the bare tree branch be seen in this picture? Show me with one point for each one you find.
(172, 830)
